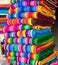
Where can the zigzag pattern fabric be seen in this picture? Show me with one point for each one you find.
(28, 37)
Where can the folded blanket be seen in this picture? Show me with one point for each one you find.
(48, 58)
(46, 6)
(41, 17)
(43, 47)
(43, 11)
(27, 48)
(43, 54)
(51, 61)
(43, 39)
(4, 10)
(28, 21)
(34, 62)
(38, 33)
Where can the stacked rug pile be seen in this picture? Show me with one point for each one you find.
(28, 36)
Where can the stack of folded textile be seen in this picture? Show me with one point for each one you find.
(4, 7)
(28, 33)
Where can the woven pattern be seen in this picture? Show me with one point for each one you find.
(28, 34)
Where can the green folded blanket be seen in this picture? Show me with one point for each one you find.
(43, 39)
(43, 54)
(43, 51)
